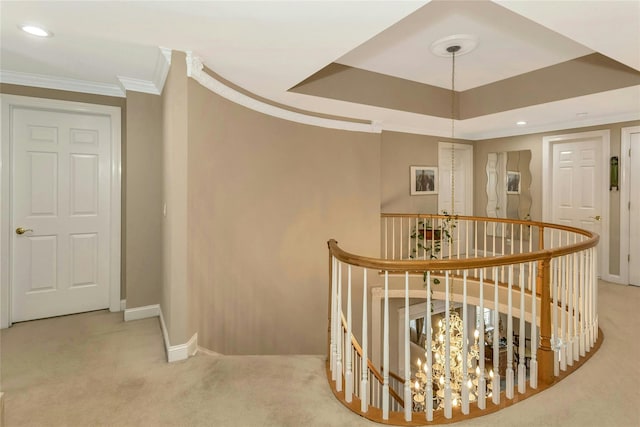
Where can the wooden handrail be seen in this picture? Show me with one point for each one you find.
(417, 266)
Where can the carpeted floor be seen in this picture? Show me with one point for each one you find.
(93, 369)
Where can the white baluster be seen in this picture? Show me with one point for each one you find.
(533, 364)
(509, 372)
(407, 352)
(594, 293)
(465, 350)
(364, 384)
(428, 354)
(334, 317)
(563, 314)
(522, 368)
(386, 238)
(400, 239)
(484, 240)
(393, 238)
(348, 392)
(475, 245)
(495, 385)
(385, 352)
(447, 351)
(340, 334)
(554, 314)
(482, 384)
(583, 301)
(417, 240)
(570, 313)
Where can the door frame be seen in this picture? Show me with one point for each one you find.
(625, 198)
(9, 102)
(548, 143)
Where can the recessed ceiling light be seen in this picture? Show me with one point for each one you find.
(582, 114)
(521, 123)
(35, 31)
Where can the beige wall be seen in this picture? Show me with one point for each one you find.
(534, 143)
(174, 291)
(265, 196)
(398, 153)
(143, 239)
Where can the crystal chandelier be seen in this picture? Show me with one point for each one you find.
(456, 367)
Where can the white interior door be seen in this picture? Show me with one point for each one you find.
(634, 210)
(60, 194)
(576, 175)
(575, 192)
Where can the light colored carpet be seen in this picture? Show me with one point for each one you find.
(93, 369)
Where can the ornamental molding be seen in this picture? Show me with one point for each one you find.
(195, 70)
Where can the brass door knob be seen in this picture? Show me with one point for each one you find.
(21, 230)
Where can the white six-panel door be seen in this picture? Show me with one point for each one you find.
(60, 193)
(575, 186)
(576, 176)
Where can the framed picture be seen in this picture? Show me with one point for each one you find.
(424, 180)
(513, 182)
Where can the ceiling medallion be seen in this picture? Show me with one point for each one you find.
(467, 43)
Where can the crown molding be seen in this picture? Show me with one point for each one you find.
(195, 70)
(60, 83)
(138, 85)
(155, 86)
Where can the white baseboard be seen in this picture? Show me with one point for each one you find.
(144, 312)
(1, 409)
(181, 351)
(123, 304)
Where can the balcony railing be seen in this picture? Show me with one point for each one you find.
(539, 278)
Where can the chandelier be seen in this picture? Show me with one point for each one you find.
(459, 376)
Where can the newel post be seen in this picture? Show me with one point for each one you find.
(545, 352)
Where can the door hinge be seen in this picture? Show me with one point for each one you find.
(629, 258)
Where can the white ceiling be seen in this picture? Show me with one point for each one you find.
(268, 47)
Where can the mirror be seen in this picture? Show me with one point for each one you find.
(508, 186)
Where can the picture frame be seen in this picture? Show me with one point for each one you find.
(424, 180)
(513, 182)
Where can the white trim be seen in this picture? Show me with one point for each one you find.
(123, 304)
(154, 87)
(114, 113)
(60, 83)
(178, 352)
(163, 64)
(625, 198)
(144, 312)
(138, 85)
(195, 70)
(115, 218)
(547, 181)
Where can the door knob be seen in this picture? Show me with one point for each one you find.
(21, 230)
(597, 217)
